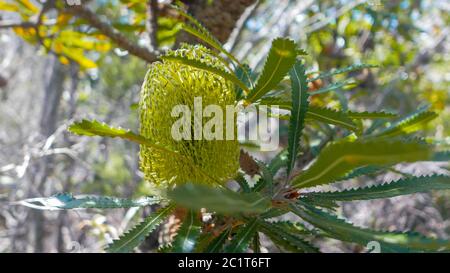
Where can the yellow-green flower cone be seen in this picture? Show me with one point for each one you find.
(168, 84)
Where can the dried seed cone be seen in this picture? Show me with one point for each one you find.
(168, 84)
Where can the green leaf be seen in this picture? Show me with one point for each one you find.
(244, 74)
(389, 241)
(256, 243)
(62, 201)
(333, 72)
(279, 161)
(441, 156)
(273, 212)
(201, 65)
(409, 124)
(186, 238)
(330, 116)
(370, 115)
(242, 239)
(95, 128)
(281, 58)
(199, 31)
(298, 112)
(131, 239)
(286, 239)
(332, 87)
(387, 190)
(245, 187)
(218, 243)
(366, 170)
(220, 200)
(266, 181)
(338, 158)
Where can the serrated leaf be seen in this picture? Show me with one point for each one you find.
(370, 115)
(243, 184)
(332, 87)
(331, 116)
(187, 235)
(281, 58)
(201, 65)
(338, 158)
(298, 113)
(273, 212)
(131, 239)
(265, 183)
(409, 124)
(217, 244)
(95, 128)
(221, 200)
(68, 201)
(333, 72)
(244, 74)
(279, 161)
(387, 190)
(366, 170)
(202, 33)
(441, 156)
(256, 246)
(242, 239)
(389, 241)
(286, 239)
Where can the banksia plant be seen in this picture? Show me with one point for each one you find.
(169, 84)
(325, 146)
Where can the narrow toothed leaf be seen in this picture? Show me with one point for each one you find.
(196, 29)
(298, 112)
(338, 158)
(370, 115)
(389, 241)
(256, 243)
(131, 239)
(242, 239)
(273, 212)
(387, 190)
(265, 183)
(201, 65)
(68, 201)
(441, 156)
(245, 187)
(409, 124)
(95, 128)
(329, 116)
(367, 170)
(333, 72)
(332, 87)
(281, 58)
(220, 200)
(188, 234)
(245, 75)
(286, 238)
(279, 161)
(217, 244)
(334, 117)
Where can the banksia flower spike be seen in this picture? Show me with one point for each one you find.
(169, 84)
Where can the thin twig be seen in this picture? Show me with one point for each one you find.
(107, 30)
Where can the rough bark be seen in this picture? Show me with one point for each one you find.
(219, 17)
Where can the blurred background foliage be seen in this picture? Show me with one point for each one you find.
(60, 62)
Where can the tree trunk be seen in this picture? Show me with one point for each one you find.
(219, 17)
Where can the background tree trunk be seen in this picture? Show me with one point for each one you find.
(219, 17)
